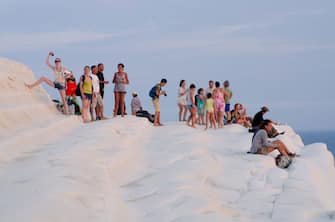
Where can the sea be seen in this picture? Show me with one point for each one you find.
(327, 137)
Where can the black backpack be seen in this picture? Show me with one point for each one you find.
(78, 92)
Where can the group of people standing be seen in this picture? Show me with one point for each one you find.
(90, 89)
(207, 107)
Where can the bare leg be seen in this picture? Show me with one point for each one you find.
(39, 81)
(92, 109)
(63, 96)
(96, 110)
(156, 119)
(181, 109)
(194, 117)
(282, 148)
(83, 109)
(207, 119)
(117, 101)
(122, 95)
(228, 117)
(86, 106)
(159, 119)
(100, 111)
(189, 118)
(213, 120)
(185, 112)
(92, 114)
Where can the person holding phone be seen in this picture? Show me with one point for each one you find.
(60, 74)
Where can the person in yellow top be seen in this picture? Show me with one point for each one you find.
(86, 89)
(210, 111)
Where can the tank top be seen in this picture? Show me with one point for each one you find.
(219, 97)
(87, 85)
(210, 105)
(120, 85)
(60, 76)
(188, 98)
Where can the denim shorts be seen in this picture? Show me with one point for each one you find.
(88, 96)
(59, 86)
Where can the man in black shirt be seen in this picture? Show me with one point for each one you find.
(259, 117)
(102, 82)
(258, 121)
(101, 77)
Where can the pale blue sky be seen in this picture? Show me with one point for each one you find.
(275, 53)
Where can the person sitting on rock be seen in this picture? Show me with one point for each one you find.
(136, 108)
(262, 145)
(70, 92)
(239, 116)
(258, 120)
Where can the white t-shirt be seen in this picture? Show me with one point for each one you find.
(209, 90)
(95, 83)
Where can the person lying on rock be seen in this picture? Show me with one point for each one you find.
(262, 145)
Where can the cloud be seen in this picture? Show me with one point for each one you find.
(243, 38)
(304, 12)
(32, 41)
(230, 40)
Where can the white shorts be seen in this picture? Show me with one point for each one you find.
(181, 101)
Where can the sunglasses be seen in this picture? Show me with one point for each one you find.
(57, 61)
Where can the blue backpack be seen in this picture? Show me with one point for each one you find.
(152, 92)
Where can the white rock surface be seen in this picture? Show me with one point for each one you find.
(54, 168)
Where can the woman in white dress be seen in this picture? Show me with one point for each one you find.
(181, 101)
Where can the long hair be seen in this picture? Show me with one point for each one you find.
(181, 82)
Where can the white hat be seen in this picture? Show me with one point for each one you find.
(135, 93)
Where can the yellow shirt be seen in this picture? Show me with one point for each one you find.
(210, 105)
(87, 85)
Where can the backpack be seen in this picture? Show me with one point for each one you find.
(78, 92)
(152, 92)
